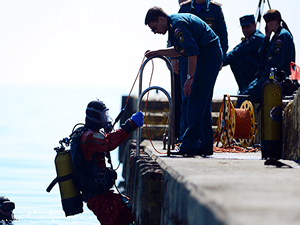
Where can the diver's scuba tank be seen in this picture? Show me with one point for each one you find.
(271, 118)
(71, 198)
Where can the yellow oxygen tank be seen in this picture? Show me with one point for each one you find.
(71, 198)
(271, 119)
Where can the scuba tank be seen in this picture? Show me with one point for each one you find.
(271, 118)
(71, 198)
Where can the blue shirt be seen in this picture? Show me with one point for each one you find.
(189, 34)
(279, 52)
(213, 15)
(198, 7)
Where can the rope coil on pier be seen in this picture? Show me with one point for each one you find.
(235, 124)
(243, 124)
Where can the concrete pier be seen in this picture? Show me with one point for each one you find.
(225, 188)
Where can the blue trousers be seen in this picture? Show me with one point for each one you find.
(184, 100)
(253, 90)
(196, 118)
(244, 69)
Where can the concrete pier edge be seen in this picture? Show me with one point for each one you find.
(222, 189)
(198, 211)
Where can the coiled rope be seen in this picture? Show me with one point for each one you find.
(235, 124)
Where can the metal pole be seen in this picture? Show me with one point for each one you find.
(269, 4)
(172, 129)
(239, 96)
(138, 134)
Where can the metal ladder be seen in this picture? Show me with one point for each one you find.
(171, 125)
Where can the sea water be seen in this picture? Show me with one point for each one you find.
(32, 121)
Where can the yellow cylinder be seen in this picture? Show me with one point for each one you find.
(271, 120)
(70, 195)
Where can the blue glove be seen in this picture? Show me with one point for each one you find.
(138, 119)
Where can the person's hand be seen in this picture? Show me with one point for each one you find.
(175, 65)
(138, 119)
(187, 87)
(267, 31)
(150, 53)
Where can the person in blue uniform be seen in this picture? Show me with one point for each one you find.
(192, 38)
(210, 12)
(277, 53)
(244, 59)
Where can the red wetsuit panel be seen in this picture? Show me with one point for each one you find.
(108, 207)
(95, 142)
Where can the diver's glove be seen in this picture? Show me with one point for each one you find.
(138, 118)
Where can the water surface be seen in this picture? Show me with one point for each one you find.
(32, 121)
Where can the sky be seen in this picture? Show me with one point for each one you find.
(101, 43)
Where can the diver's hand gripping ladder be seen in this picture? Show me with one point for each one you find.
(171, 135)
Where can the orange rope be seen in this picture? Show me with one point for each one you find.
(135, 81)
(242, 129)
(146, 112)
(235, 149)
(146, 101)
(243, 124)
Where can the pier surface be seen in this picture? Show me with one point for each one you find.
(227, 188)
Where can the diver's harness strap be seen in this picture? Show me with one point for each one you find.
(103, 178)
(52, 184)
(59, 180)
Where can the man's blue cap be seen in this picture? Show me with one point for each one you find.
(246, 20)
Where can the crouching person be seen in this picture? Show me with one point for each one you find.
(109, 207)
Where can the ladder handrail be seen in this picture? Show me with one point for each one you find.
(171, 130)
(138, 134)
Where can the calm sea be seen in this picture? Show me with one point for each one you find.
(32, 121)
